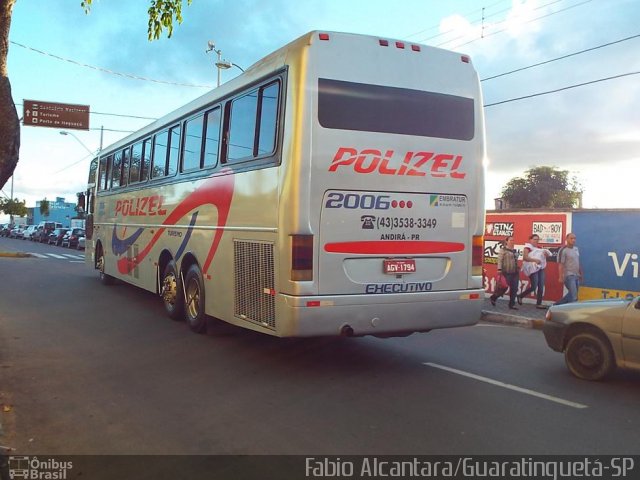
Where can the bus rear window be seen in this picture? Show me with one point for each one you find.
(374, 108)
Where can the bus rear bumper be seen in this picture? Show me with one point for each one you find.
(382, 315)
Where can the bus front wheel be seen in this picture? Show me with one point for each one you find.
(171, 293)
(105, 278)
(194, 301)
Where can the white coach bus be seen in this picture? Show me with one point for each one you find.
(334, 188)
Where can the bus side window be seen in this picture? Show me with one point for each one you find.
(192, 146)
(242, 128)
(93, 171)
(124, 179)
(268, 118)
(145, 161)
(160, 148)
(116, 170)
(253, 123)
(174, 150)
(136, 160)
(212, 138)
(102, 174)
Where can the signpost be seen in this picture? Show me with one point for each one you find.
(55, 115)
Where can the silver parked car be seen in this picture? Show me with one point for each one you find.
(30, 230)
(596, 336)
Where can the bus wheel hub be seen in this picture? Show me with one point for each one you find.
(169, 289)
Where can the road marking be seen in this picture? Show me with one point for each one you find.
(67, 256)
(508, 386)
(55, 255)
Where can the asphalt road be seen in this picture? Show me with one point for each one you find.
(88, 369)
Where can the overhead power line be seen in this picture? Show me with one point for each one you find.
(478, 10)
(482, 35)
(111, 114)
(561, 89)
(122, 115)
(485, 35)
(106, 70)
(559, 58)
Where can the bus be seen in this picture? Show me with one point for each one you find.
(334, 188)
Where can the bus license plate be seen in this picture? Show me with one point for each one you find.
(394, 267)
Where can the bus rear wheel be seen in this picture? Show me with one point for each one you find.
(194, 301)
(171, 293)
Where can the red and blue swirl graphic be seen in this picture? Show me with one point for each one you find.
(216, 191)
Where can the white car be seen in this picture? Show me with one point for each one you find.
(30, 230)
(16, 232)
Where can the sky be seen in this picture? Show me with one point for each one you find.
(60, 54)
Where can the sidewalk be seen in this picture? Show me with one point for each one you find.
(527, 315)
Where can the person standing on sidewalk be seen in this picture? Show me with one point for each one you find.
(533, 265)
(570, 271)
(508, 266)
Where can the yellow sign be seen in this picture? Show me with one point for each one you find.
(591, 293)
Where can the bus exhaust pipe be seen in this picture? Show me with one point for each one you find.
(346, 331)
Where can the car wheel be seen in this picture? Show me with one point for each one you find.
(589, 356)
(105, 278)
(172, 293)
(194, 302)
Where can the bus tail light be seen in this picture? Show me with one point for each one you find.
(301, 258)
(476, 255)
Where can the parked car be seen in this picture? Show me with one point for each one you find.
(70, 238)
(55, 237)
(16, 232)
(596, 336)
(43, 231)
(30, 230)
(37, 235)
(81, 243)
(5, 229)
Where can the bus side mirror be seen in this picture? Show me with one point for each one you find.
(81, 202)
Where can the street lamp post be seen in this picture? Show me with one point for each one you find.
(220, 63)
(212, 48)
(64, 132)
(226, 64)
(91, 152)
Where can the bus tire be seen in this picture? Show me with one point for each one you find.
(171, 293)
(105, 278)
(194, 301)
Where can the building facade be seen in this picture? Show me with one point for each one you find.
(59, 211)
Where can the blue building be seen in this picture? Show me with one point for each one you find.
(59, 211)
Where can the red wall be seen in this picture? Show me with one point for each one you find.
(551, 227)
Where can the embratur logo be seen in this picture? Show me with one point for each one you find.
(434, 200)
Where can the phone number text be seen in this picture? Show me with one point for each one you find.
(405, 222)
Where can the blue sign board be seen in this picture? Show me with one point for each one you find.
(609, 243)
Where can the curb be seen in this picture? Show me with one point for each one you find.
(15, 254)
(516, 320)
